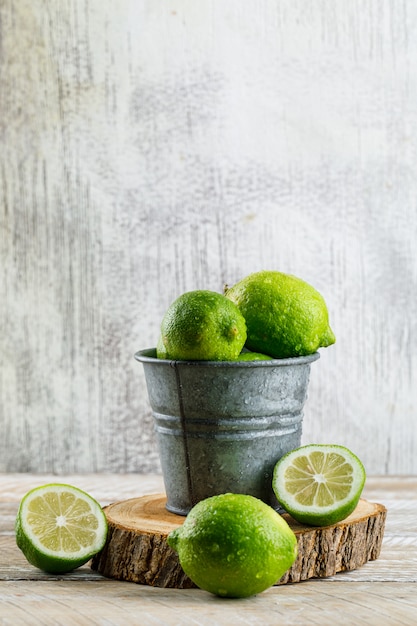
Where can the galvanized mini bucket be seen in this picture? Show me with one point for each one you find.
(222, 425)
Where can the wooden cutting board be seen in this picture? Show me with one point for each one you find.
(136, 549)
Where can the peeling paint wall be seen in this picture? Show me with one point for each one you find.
(153, 147)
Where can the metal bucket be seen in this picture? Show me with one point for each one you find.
(221, 425)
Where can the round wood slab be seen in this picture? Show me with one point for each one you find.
(136, 549)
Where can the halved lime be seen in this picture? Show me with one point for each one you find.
(59, 527)
(319, 484)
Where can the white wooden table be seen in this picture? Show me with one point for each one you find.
(382, 592)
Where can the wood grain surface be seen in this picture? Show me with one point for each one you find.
(149, 147)
(379, 592)
(136, 549)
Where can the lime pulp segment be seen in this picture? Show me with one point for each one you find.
(320, 478)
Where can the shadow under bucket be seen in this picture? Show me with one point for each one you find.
(222, 425)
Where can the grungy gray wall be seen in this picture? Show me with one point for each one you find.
(150, 147)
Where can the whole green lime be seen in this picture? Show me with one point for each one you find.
(253, 356)
(204, 326)
(285, 316)
(234, 545)
(160, 349)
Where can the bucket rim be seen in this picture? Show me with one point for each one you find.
(148, 355)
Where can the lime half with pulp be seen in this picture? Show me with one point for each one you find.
(319, 484)
(59, 527)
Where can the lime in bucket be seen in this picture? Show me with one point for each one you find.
(222, 425)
